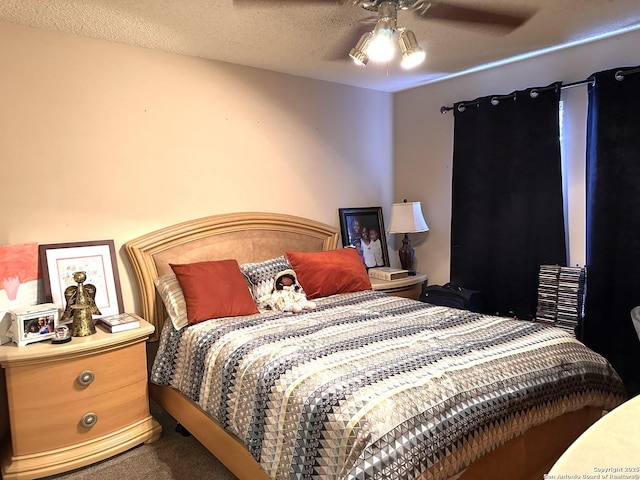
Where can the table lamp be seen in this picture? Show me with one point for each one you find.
(407, 218)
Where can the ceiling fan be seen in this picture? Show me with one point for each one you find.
(377, 44)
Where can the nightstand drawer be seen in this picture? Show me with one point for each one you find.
(60, 425)
(35, 386)
(49, 400)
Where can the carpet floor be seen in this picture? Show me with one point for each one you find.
(173, 456)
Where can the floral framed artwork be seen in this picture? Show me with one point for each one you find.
(59, 261)
(363, 228)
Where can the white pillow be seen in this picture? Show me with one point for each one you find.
(171, 294)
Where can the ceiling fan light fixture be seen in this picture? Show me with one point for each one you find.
(359, 53)
(379, 44)
(381, 47)
(412, 54)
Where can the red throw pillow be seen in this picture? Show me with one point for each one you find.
(214, 290)
(335, 271)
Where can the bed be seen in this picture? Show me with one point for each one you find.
(365, 386)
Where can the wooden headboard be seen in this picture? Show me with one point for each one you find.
(246, 237)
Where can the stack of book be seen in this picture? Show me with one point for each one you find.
(387, 273)
(547, 308)
(118, 323)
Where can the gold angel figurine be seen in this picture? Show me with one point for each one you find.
(71, 296)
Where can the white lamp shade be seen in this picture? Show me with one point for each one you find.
(407, 218)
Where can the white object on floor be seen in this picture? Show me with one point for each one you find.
(635, 318)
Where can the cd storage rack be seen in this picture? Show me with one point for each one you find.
(561, 292)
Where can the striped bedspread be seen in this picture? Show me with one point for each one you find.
(372, 386)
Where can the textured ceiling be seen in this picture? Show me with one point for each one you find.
(311, 38)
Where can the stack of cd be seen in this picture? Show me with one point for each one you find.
(561, 292)
(547, 308)
(571, 290)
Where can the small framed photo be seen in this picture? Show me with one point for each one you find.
(34, 324)
(363, 228)
(59, 261)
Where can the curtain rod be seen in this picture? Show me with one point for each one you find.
(619, 75)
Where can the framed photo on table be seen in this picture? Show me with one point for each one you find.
(59, 261)
(34, 323)
(363, 228)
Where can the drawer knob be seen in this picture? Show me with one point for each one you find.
(89, 419)
(85, 378)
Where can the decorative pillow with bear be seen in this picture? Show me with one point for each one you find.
(326, 273)
(213, 290)
(260, 275)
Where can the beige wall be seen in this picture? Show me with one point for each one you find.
(104, 141)
(99, 140)
(424, 137)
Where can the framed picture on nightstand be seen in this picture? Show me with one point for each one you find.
(34, 324)
(59, 261)
(363, 228)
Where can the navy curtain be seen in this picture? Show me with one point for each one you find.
(507, 210)
(613, 221)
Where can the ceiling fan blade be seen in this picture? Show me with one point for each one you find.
(445, 11)
(262, 3)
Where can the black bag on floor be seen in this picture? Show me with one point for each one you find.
(452, 295)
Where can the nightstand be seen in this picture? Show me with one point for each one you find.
(409, 287)
(76, 403)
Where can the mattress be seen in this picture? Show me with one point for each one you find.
(372, 386)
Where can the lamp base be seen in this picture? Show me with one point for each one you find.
(406, 254)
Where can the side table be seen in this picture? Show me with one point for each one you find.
(408, 287)
(76, 403)
(607, 449)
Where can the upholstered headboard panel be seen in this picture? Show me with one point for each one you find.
(246, 237)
